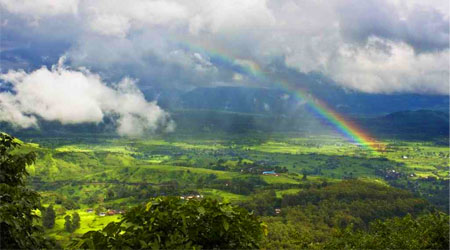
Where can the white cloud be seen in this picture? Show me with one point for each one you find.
(393, 67)
(10, 113)
(117, 17)
(40, 8)
(371, 46)
(231, 16)
(78, 96)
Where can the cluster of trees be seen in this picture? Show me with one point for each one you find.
(310, 217)
(426, 231)
(429, 231)
(72, 223)
(434, 190)
(262, 203)
(67, 203)
(347, 190)
(48, 219)
(360, 202)
(118, 191)
(244, 185)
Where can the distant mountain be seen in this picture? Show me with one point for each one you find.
(409, 125)
(427, 125)
(425, 117)
(420, 124)
(276, 101)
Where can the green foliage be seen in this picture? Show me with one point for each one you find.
(110, 194)
(48, 220)
(100, 209)
(95, 172)
(71, 223)
(240, 185)
(262, 203)
(170, 223)
(305, 176)
(309, 218)
(365, 200)
(429, 231)
(13, 166)
(68, 224)
(69, 204)
(16, 201)
(75, 221)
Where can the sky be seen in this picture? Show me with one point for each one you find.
(115, 48)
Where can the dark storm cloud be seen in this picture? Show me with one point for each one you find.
(27, 46)
(424, 28)
(370, 46)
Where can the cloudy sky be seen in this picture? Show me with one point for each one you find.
(373, 46)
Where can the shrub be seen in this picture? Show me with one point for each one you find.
(170, 223)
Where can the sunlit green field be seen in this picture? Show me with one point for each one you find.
(222, 195)
(89, 221)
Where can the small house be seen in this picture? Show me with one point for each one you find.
(270, 173)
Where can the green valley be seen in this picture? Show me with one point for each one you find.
(304, 188)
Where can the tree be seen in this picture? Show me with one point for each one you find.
(75, 221)
(17, 202)
(110, 194)
(170, 223)
(68, 224)
(69, 204)
(262, 203)
(305, 176)
(48, 220)
(100, 209)
(61, 211)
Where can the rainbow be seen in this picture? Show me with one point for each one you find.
(251, 69)
(345, 126)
